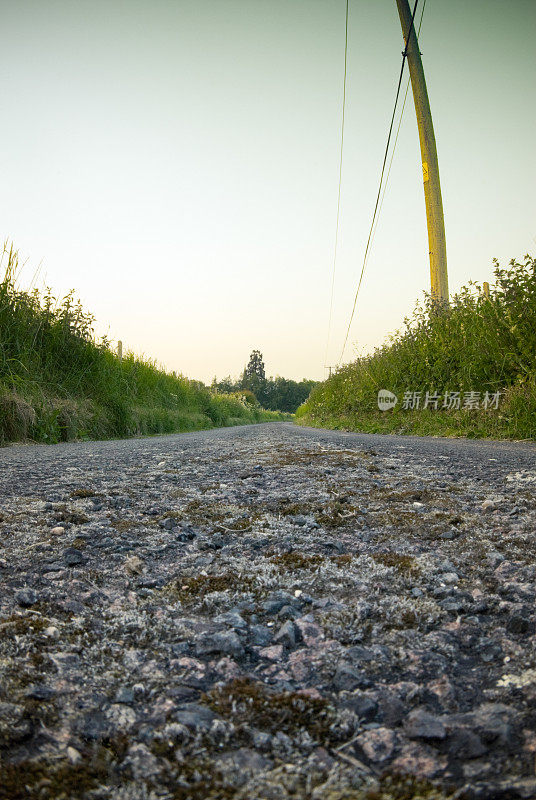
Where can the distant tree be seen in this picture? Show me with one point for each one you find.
(255, 366)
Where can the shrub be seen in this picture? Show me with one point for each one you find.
(477, 343)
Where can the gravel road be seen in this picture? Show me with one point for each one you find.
(268, 612)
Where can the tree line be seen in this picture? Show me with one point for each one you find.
(274, 394)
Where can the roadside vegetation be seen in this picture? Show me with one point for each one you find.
(479, 344)
(57, 382)
(277, 394)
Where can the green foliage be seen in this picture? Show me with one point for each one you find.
(255, 366)
(276, 394)
(57, 382)
(476, 344)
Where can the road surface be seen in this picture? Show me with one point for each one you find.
(268, 612)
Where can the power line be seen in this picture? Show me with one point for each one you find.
(340, 182)
(396, 138)
(404, 55)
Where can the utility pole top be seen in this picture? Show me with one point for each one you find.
(430, 168)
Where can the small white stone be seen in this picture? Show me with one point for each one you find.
(73, 755)
(52, 632)
(418, 505)
(298, 593)
(58, 530)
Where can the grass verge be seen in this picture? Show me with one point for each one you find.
(477, 358)
(57, 382)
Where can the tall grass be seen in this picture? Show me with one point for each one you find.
(57, 382)
(477, 344)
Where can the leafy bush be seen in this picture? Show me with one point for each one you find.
(477, 343)
(277, 394)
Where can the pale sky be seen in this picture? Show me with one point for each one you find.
(176, 163)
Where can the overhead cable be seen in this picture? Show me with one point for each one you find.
(404, 55)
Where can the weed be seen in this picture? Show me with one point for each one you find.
(407, 787)
(406, 565)
(247, 702)
(122, 525)
(16, 625)
(39, 780)
(84, 493)
(188, 590)
(79, 543)
(333, 515)
(71, 516)
(288, 562)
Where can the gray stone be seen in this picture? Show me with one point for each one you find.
(124, 695)
(464, 743)
(422, 725)
(492, 722)
(288, 635)
(517, 623)
(347, 678)
(453, 605)
(39, 691)
(289, 612)
(93, 726)
(363, 706)
(391, 709)
(73, 557)
(226, 643)
(261, 740)
(74, 606)
(277, 601)
(195, 717)
(26, 597)
(140, 762)
(245, 760)
(14, 727)
(359, 653)
(377, 745)
(233, 619)
(261, 636)
(169, 523)
(494, 559)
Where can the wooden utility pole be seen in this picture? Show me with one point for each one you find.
(430, 168)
